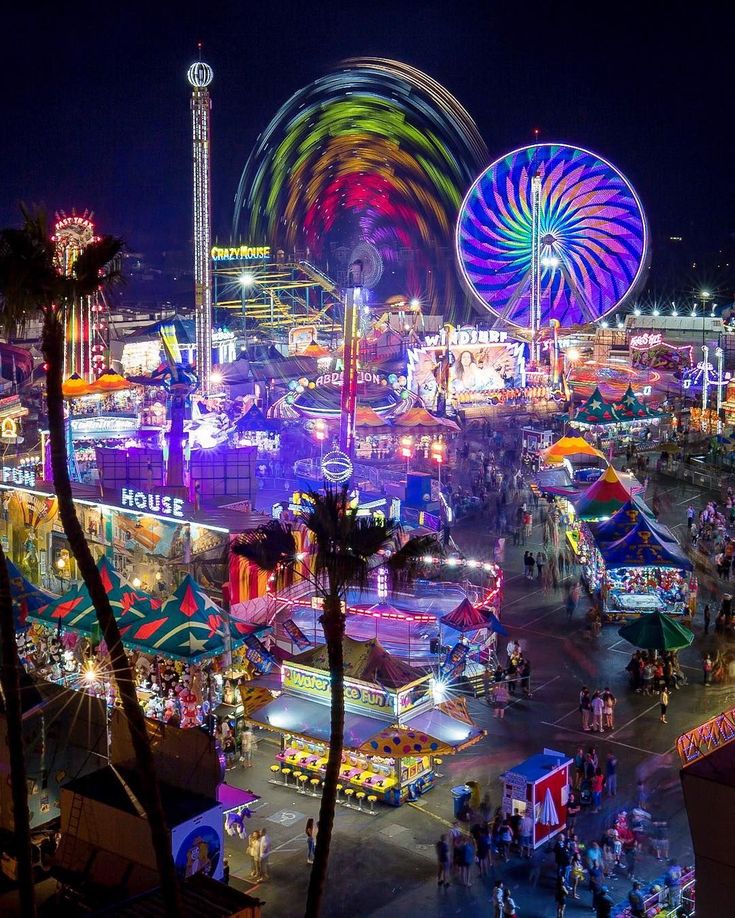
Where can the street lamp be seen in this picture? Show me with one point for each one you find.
(246, 281)
(320, 429)
(704, 295)
(407, 450)
(438, 448)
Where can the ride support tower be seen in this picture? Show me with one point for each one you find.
(200, 76)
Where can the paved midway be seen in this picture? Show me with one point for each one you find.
(384, 866)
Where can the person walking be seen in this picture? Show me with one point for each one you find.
(609, 701)
(598, 706)
(585, 707)
(253, 851)
(672, 881)
(707, 667)
(265, 853)
(611, 775)
(496, 897)
(707, 617)
(509, 906)
(248, 745)
(526, 834)
(636, 901)
(598, 783)
(691, 513)
(501, 697)
(442, 857)
(604, 905)
(560, 896)
(573, 808)
(663, 700)
(540, 564)
(311, 840)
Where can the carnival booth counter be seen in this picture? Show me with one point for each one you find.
(539, 785)
(393, 728)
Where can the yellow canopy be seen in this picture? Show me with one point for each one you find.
(570, 446)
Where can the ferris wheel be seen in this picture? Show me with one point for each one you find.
(552, 231)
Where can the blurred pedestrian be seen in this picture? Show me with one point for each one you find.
(636, 901)
(310, 840)
(560, 896)
(509, 906)
(497, 896)
(611, 774)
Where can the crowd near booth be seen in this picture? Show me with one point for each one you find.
(187, 652)
(539, 786)
(395, 725)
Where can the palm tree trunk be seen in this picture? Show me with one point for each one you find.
(53, 339)
(333, 622)
(10, 681)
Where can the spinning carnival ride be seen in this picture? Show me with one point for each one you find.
(375, 152)
(551, 231)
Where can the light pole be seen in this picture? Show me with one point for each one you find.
(719, 355)
(704, 295)
(407, 450)
(246, 280)
(705, 378)
(321, 435)
(437, 454)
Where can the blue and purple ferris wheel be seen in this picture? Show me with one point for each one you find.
(552, 231)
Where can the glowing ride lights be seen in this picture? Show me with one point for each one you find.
(407, 444)
(200, 76)
(376, 149)
(25, 477)
(152, 502)
(438, 450)
(551, 231)
(337, 466)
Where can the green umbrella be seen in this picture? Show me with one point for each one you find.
(656, 631)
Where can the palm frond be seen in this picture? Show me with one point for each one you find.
(270, 546)
(96, 266)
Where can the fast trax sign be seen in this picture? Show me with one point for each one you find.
(152, 502)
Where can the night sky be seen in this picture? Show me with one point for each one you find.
(96, 104)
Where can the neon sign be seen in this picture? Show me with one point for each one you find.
(152, 502)
(463, 336)
(646, 340)
(359, 696)
(236, 252)
(336, 379)
(19, 476)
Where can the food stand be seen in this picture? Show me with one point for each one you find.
(540, 785)
(393, 728)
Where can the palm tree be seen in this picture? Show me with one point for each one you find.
(31, 283)
(10, 684)
(346, 546)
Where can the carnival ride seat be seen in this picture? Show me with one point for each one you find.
(302, 779)
(371, 800)
(349, 793)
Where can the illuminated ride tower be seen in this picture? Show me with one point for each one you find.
(200, 76)
(86, 323)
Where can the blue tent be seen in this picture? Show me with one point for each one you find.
(644, 547)
(624, 520)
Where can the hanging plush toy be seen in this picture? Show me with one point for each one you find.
(188, 702)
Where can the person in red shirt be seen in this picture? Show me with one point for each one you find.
(598, 782)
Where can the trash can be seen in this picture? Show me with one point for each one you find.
(461, 795)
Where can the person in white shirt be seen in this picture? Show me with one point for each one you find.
(265, 850)
(598, 706)
(526, 834)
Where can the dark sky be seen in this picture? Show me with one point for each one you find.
(95, 103)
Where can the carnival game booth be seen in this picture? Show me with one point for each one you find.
(393, 728)
(636, 565)
(539, 786)
(617, 423)
(185, 651)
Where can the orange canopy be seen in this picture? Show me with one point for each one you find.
(110, 381)
(369, 417)
(570, 446)
(75, 386)
(419, 417)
